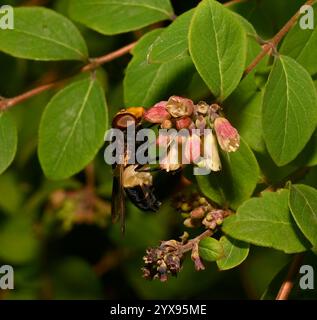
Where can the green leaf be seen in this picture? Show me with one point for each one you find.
(236, 181)
(173, 41)
(267, 222)
(301, 45)
(8, 141)
(218, 45)
(253, 47)
(160, 80)
(116, 16)
(42, 34)
(245, 112)
(308, 156)
(272, 290)
(210, 249)
(303, 205)
(72, 129)
(289, 110)
(235, 252)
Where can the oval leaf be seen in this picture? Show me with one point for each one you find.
(236, 181)
(210, 249)
(43, 34)
(303, 205)
(8, 141)
(72, 129)
(289, 110)
(245, 112)
(173, 41)
(267, 222)
(235, 252)
(160, 80)
(217, 44)
(116, 16)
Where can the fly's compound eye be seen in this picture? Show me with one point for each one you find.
(123, 120)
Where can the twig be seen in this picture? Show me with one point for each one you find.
(90, 176)
(288, 283)
(93, 64)
(191, 243)
(272, 44)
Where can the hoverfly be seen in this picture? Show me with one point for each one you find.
(132, 180)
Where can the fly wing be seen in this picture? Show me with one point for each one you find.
(118, 198)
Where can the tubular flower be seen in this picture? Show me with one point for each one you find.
(227, 136)
(211, 159)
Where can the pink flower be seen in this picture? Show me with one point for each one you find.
(180, 107)
(157, 114)
(227, 136)
(192, 149)
(183, 123)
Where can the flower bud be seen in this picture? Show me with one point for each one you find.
(167, 124)
(157, 114)
(202, 107)
(183, 123)
(200, 123)
(189, 223)
(180, 107)
(227, 136)
(198, 213)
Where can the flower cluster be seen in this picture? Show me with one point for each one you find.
(200, 148)
(198, 211)
(163, 261)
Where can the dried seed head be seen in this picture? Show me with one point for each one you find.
(162, 261)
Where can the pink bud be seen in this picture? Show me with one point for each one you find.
(157, 114)
(183, 123)
(180, 107)
(201, 123)
(227, 136)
